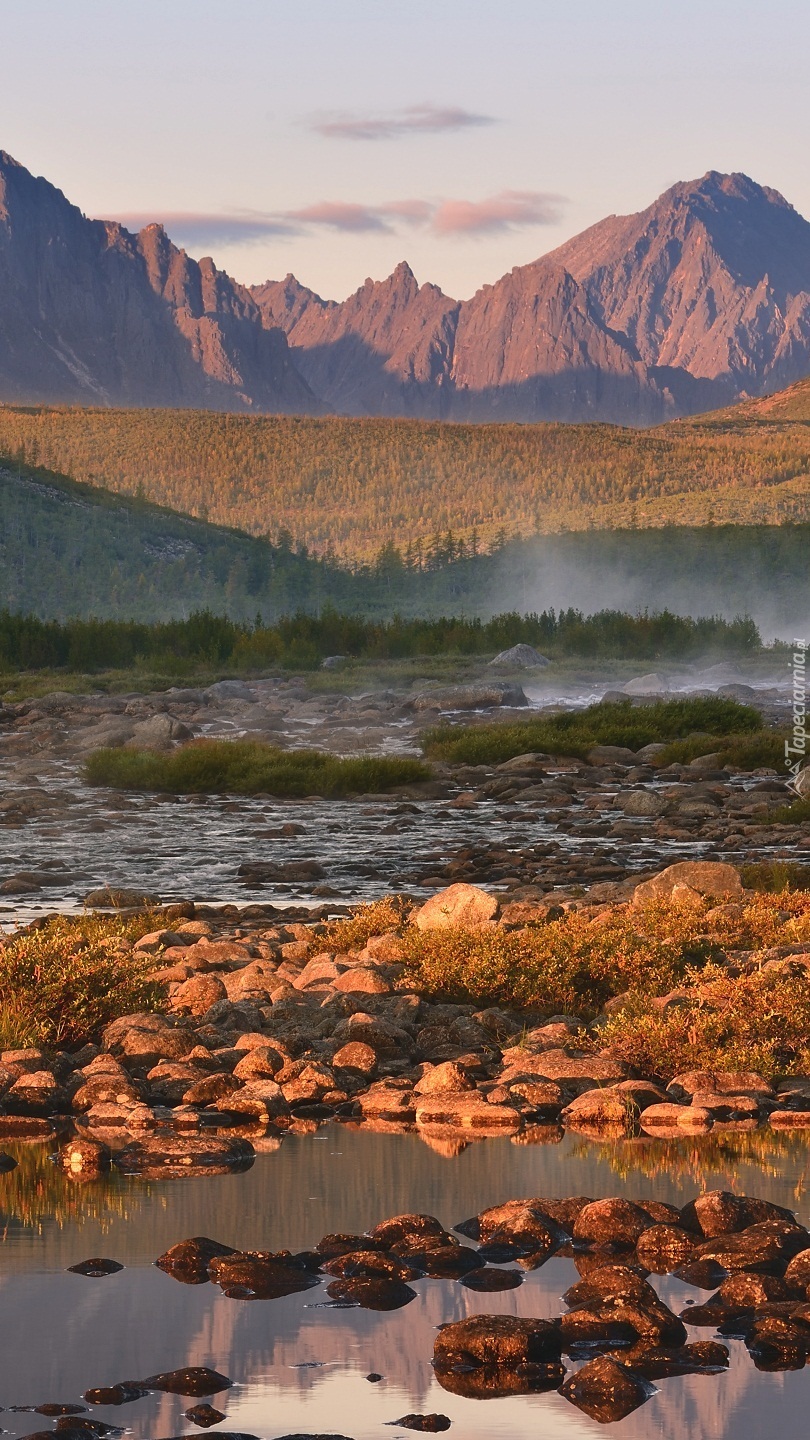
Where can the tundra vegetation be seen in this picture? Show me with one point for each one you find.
(249, 767)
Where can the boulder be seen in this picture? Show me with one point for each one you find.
(521, 657)
(469, 1110)
(502, 1341)
(615, 1223)
(259, 1275)
(719, 1212)
(705, 877)
(642, 803)
(606, 1390)
(372, 1294)
(664, 1248)
(652, 684)
(466, 907)
(168, 1154)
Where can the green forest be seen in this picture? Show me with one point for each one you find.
(73, 550)
(304, 641)
(347, 487)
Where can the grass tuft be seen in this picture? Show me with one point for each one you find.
(760, 750)
(577, 731)
(796, 813)
(247, 767)
(62, 983)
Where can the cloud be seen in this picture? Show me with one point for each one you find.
(412, 120)
(509, 210)
(198, 228)
(341, 215)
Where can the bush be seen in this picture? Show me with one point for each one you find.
(61, 984)
(773, 877)
(763, 749)
(577, 731)
(796, 813)
(247, 767)
(755, 1022)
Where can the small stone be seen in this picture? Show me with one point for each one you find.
(95, 1269)
(204, 1415)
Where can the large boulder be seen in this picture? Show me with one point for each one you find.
(464, 906)
(520, 657)
(504, 1341)
(704, 877)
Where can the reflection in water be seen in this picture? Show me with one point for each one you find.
(63, 1332)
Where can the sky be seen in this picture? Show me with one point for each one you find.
(335, 138)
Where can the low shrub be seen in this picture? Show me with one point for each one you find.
(763, 749)
(775, 876)
(353, 932)
(755, 1022)
(62, 983)
(248, 767)
(796, 813)
(575, 732)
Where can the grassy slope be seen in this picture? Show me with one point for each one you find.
(355, 484)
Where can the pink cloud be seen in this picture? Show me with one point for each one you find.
(509, 210)
(341, 215)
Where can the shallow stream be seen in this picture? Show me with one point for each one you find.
(300, 1366)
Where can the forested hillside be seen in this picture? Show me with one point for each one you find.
(351, 486)
(68, 549)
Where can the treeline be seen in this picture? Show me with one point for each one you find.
(349, 486)
(207, 641)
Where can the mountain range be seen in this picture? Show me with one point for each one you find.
(698, 301)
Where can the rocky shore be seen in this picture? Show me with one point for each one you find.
(265, 1029)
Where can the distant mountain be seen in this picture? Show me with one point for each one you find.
(90, 313)
(697, 301)
(700, 300)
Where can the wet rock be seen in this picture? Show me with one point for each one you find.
(444, 1262)
(188, 1260)
(166, 1155)
(500, 1341)
(664, 1248)
(670, 1118)
(469, 1110)
(798, 1270)
(464, 906)
(642, 803)
(121, 1394)
(259, 1275)
(705, 877)
(370, 1265)
(58, 1409)
(720, 1212)
(372, 1294)
(96, 1268)
(409, 1227)
(7, 1163)
(768, 1243)
(614, 1223)
(195, 1380)
(607, 1282)
(204, 1415)
(490, 1280)
(606, 1390)
(701, 1357)
(430, 1424)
